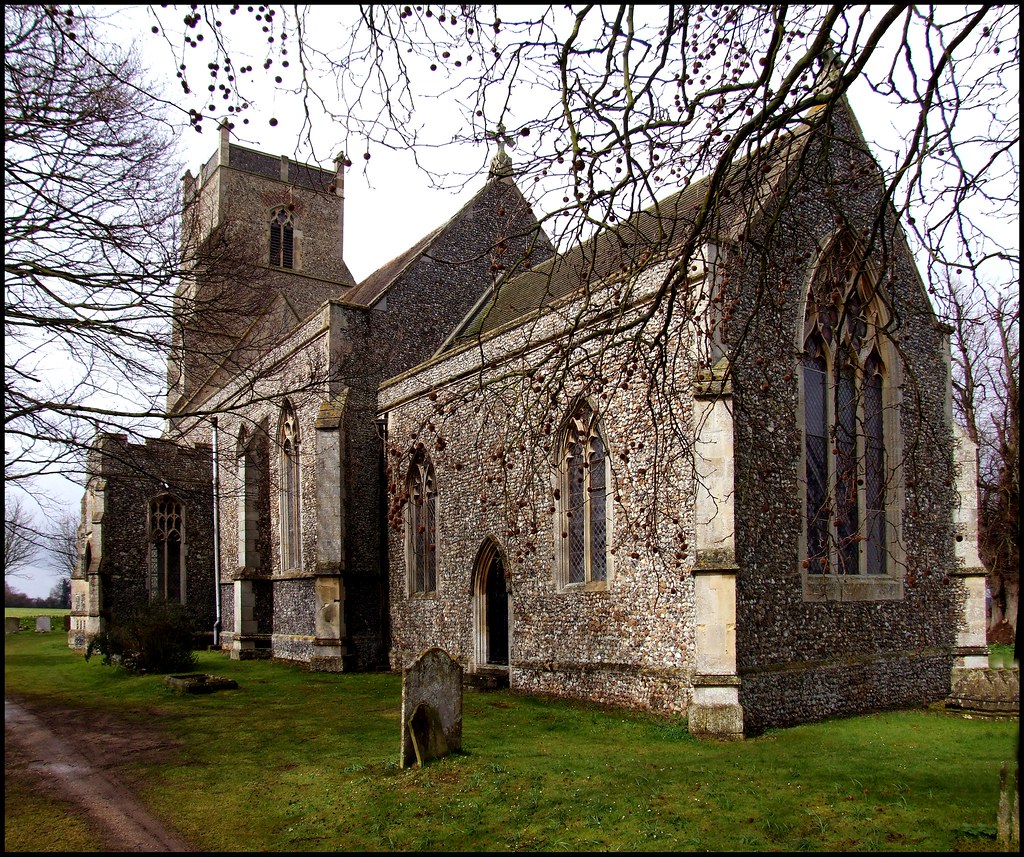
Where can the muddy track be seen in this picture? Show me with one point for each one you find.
(80, 757)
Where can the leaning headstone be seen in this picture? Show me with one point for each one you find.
(431, 708)
(12, 624)
(42, 623)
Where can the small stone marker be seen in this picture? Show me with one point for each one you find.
(431, 708)
(12, 624)
(42, 624)
(199, 683)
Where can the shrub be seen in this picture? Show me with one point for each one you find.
(156, 638)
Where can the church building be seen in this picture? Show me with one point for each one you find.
(703, 463)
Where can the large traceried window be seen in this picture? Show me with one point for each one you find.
(167, 554)
(584, 500)
(282, 238)
(291, 493)
(421, 526)
(847, 432)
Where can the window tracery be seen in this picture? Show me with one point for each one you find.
(167, 536)
(421, 526)
(584, 495)
(845, 387)
(291, 494)
(282, 238)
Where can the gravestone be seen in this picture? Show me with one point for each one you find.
(42, 623)
(431, 708)
(12, 624)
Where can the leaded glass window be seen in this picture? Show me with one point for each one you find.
(422, 526)
(585, 500)
(167, 534)
(844, 393)
(282, 239)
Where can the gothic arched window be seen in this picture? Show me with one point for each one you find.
(421, 526)
(250, 453)
(291, 494)
(846, 384)
(167, 554)
(584, 501)
(282, 238)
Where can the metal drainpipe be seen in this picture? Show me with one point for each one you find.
(216, 538)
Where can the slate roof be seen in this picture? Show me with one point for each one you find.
(646, 236)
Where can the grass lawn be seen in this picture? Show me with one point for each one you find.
(298, 761)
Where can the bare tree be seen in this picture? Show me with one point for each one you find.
(93, 263)
(23, 544)
(1000, 537)
(89, 244)
(609, 107)
(64, 544)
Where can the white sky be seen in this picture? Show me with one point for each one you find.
(389, 203)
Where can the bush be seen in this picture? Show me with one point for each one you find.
(156, 638)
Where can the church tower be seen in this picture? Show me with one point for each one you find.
(262, 247)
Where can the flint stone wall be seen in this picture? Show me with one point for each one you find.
(792, 651)
(629, 642)
(129, 476)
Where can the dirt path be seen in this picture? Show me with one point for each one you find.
(75, 756)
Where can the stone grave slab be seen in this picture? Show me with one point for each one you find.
(431, 708)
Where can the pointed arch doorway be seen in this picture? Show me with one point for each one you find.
(490, 610)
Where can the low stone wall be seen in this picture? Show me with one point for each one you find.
(817, 691)
(992, 689)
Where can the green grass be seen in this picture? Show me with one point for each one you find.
(1000, 655)
(34, 821)
(27, 615)
(295, 761)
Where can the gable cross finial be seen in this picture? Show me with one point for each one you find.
(501, 164)
(831, 65)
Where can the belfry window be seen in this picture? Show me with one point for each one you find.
(421, 527)
(584, 499)
(291, 495)
(282, 239)
(167, 555)
(846, 385)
